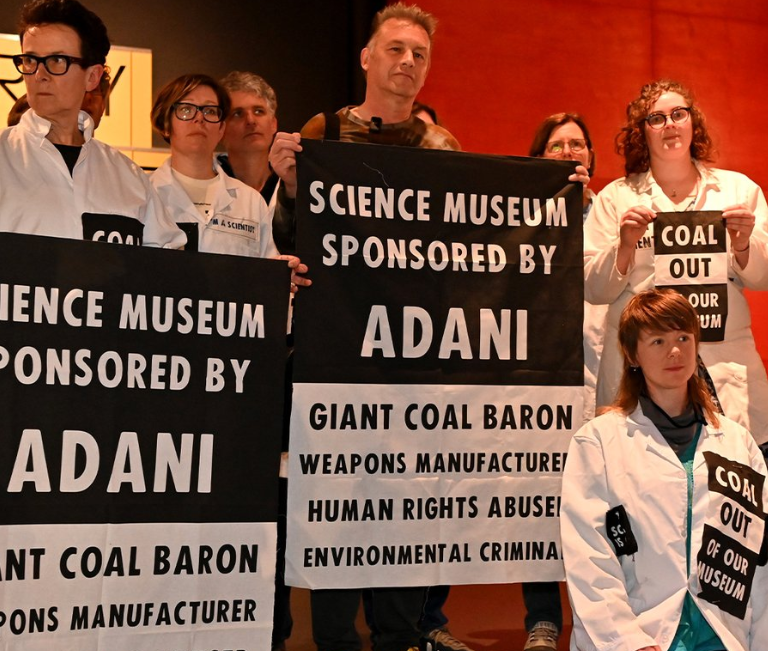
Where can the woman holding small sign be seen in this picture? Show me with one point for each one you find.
(662, 518)
(666, 148)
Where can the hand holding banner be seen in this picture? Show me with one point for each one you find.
(692, 258)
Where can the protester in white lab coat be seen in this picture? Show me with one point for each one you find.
(667, 150)
(219, 214)
(662, 519)
(55, 178)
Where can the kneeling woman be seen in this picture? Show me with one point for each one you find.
(661, 496)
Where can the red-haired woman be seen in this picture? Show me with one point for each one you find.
(666, 149)
(662, 518)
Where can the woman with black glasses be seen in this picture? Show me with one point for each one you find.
(219, 214)
(57, 180)
(667, 152)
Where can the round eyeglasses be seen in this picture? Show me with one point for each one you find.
(677, 115)
(186, 111)
(55, 64)
(558, 146)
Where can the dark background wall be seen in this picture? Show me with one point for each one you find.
(308, 51)
(499, 66)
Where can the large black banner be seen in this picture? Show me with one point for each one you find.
(140, 443)
(438, 367)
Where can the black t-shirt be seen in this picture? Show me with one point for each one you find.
(70, 154)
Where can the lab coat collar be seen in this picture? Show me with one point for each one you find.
(224, 196)
(225, 184)
(644, 183)
(32, 123)
(638, 424)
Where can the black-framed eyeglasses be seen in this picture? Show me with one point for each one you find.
(558, 146)
(55, 64)
(186, 111)
(678, 115)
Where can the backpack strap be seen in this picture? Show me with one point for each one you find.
(332, 126)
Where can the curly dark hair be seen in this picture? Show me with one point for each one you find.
(630, 141)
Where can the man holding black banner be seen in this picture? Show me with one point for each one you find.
(56, 179)
(396, 61)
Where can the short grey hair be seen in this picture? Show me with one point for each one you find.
(249, 82)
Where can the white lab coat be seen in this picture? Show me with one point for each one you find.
(629, 602)
(734, 364)
(240, 222)
(38, 195)
(594, 331)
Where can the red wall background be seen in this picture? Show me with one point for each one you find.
(500, 66)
